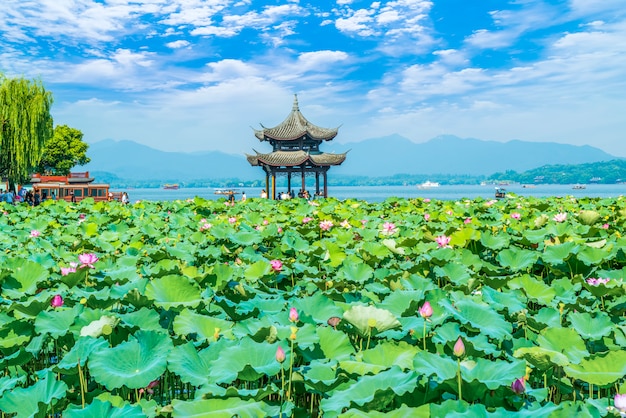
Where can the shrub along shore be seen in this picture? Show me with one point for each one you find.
(407, 307)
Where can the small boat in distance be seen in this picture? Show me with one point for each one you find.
(579, 187)
(428, 184)
(168, 186)
(500, 193)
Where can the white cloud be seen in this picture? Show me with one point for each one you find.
(177, 44)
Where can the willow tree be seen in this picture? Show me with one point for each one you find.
(25, 126)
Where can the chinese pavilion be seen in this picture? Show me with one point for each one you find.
(296, 143)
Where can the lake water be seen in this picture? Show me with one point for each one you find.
(380, 193)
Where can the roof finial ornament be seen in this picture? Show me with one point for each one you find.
(295, 103)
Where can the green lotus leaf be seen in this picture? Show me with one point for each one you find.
(591, 327)
(189, 322)
(402, 412)
(493, 373)
(535, 289)
(145, 319)
(588, 217)
(429, 364)
(104, 409)
(24, 279)
(377, 391)
(190, 364)
(455, 272)
(377, 250)
(245, 238)
(517, 259)
(511, 300)
(334, 344)
(541, 358)
(134, 363)
(34, 400)
(359, 368)
(318, 306)
(247, 360)
(403, 302)
(8, 383)
(173, 291)
(223, 408)
(96, 328)
(600, 370)
(480, 316)
(494, 242)
(322, 376)
(558, 254)
(455, 408)
(564, 340)
(593, 256)
(80, 351)
(57, 322)
(257, 270)
(392, 246)
(369, 320)
(15, 334)
(333, 252)
(389, 353)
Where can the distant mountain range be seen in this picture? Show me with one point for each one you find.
(374, 157)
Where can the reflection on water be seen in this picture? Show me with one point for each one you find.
(380, 193)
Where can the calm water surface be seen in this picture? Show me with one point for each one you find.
(380, 193)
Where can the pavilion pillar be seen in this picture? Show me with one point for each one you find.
(303, 180)
(267, 183)
(317, 183)
(325, 184)
(273, 185)
(289, 182)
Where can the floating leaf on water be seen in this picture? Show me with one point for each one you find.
(369, 320)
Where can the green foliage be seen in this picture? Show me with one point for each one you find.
(608, 172)
(25, 126)
(63, 151)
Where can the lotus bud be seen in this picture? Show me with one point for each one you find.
(294, 330)
(518, 386)
(426, 311)
(57, 301)
(620, 402)
(293, 315)
(280, 354)
(459, 348)
(333, 321)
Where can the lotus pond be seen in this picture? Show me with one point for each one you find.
(407, 307)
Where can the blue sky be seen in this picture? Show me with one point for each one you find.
(196, 75)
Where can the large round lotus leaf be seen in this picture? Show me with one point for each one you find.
(401, 302)
(334, 344)
(564, 340)
(493, 374)
(23, 280)
(134, 363)
(369, 320)
(246, 360)
(593, 256)
(80, 352)
(541, 358)
(223, 408)
(534, 288)
(429, 364)
(190, 322)
(588, 217)
(33, 400)
(172, 291)
(517, 259)
(591, 327)
(378, 391)
(15, 334)
(103, 409)
(8, 383)
(600, 370)
(145, 319)
(389, 353)
(402, 412)
(321, 376)
(190, 364)
(494, 242)
(57, 322)
(558, 254)
(317, 306)
(480, 316)
(454, 272)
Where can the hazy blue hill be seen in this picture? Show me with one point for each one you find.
(130, 160)
(449, 154)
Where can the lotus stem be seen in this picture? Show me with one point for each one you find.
(458, 379)
(590, 391)
(82, 385)
(424, 336)
(290, 371)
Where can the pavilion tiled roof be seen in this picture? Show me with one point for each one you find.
(295, 126)
(295, 158)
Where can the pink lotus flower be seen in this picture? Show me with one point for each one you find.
(516, 215)
(57, 301)
(443, 241)
(426, 311)
(277, 265)
(293, 315)
(265, 222)
(280, 354)
(363, 222)
(518, 386)
(279, 230)
(605, 226)
(459, 348)
(326, 225)
(467, 221)
(619, 401)
(34, 233)
(449, 212)
(87, 260)
(389, 228)
(427, 200)
(232, 220)
(426, 216)
(560, 217)
(205, 226)
(345, 224)
(67, 270)
(598, 281)
(306, 219)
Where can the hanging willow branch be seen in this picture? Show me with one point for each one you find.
(25, 126)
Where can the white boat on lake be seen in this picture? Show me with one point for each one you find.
(428, 184)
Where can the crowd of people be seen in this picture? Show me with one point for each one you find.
(30, 197)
